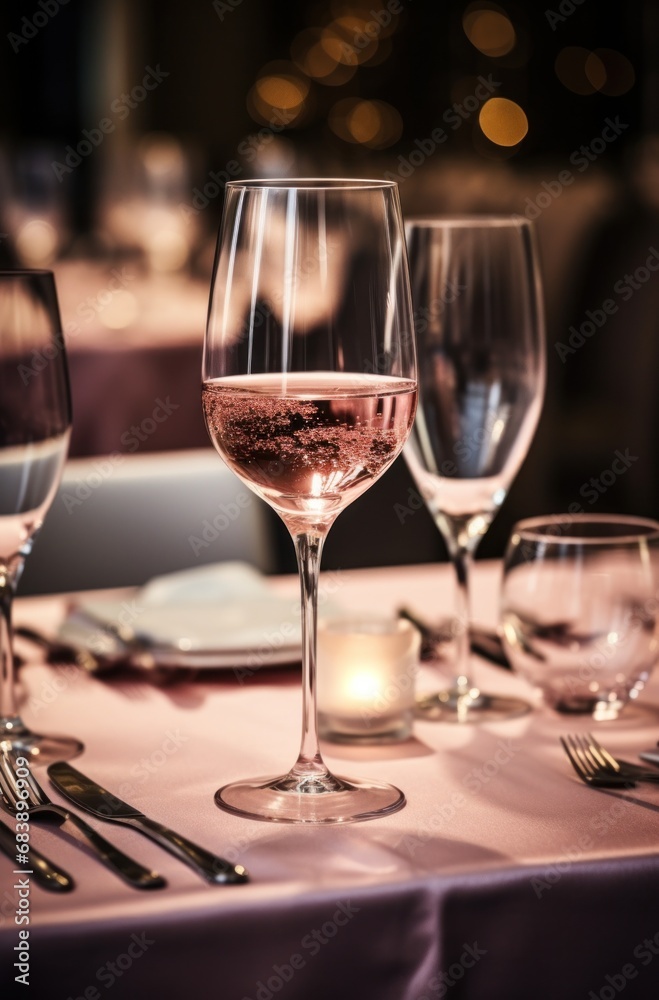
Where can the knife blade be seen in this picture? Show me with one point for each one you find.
(484, 642)
(48, 875)
(93, 798)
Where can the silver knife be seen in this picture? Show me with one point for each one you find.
(38, 866)
(94, 799)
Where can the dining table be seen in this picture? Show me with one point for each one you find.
(502, 877)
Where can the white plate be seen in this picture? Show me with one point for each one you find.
(208, 618)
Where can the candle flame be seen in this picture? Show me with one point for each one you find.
(364, 687)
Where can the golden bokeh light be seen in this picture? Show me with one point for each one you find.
(384, 26)
(620, 75)
(364, 121)
(285, 92)
(595, 71)
(503, 121)
(382, 53)
(606, 71)
(490, 31)
(37, 243)
(338, 118)
(318, 54)
(161, 154)
(280, 91)
(355, 41)
(375, 124)
(571, 69)
(337, 49)
(122, 309)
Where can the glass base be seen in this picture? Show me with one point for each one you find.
(460, 705)
(40, 750)
(319, 798)
(392, 729)
(598, 709)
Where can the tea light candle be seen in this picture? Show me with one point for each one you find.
(366, 675)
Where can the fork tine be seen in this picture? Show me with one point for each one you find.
(576, 764)
(578, 750)
(607, 759)
(7, 777)
(591, 762)
(599, 760)
(591, 771)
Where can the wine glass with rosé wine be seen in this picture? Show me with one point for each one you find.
(309, 394)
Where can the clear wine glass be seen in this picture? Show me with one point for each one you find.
(309, 395)
(35, 426)
(480, 340)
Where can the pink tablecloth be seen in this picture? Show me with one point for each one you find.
(502, 877)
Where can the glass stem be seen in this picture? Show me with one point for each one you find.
(308, 548)
(462, 563)
(7, 691)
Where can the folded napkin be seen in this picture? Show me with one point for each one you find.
(223, 614)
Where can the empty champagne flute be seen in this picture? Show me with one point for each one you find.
(309, 393)
(35, 426)
(480, 340)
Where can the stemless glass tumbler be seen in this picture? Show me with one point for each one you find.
(309, 394)
(579, 609)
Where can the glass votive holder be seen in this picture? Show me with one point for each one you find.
(366, 677)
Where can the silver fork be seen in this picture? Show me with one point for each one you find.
(593, 770)
(619, 766)
(21, 792)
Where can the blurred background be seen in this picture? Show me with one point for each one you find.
(122, 121)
